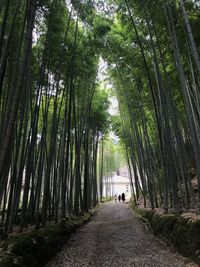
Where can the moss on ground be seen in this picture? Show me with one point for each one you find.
(182, 233)
(37, 247)
(107, 199)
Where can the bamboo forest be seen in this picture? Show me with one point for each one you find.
(90, 86)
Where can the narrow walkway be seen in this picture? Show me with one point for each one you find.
(116, 237)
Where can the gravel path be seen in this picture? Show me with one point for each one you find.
(116, 237)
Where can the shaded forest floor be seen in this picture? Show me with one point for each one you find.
(190, 214)
(117, 237)
(34, 248)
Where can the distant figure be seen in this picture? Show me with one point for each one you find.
(123, 197)
(119, 198)
(115, 198)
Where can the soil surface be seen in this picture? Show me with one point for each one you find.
(117, 237)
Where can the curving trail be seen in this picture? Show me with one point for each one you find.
(116, 237)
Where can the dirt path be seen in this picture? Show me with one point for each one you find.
(116, 237)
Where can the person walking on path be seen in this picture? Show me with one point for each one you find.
(123, 197)
(119, 198)
(115, 198)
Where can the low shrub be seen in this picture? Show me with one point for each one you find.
(37, 247)
(182, 233)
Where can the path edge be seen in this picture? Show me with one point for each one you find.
(181, 233)
(36, 248)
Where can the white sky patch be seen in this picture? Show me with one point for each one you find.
(35, 36)
(102, 70)
(114, 137)
(103, 76)
(106, 9)
(108, 85)
(114, 106)
(113, 110)
(104, 79)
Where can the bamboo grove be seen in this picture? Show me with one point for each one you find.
(54, 112)
(154, 63)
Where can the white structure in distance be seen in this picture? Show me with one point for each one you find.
(117, 184)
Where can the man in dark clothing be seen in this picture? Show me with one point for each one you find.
(123, 197)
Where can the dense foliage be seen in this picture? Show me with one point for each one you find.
(53, 112)
(153, 54)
